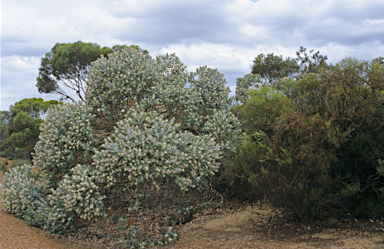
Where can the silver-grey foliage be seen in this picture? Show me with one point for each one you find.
(141, 127)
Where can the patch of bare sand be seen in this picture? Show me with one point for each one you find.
(260, 226)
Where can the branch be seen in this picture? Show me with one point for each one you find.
(59, 91)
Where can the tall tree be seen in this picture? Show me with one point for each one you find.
(272, 67)
(310, 62)
(67, 66)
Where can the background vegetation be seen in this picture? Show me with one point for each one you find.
(19, 127)
(314, 144)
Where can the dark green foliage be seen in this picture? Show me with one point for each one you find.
(272, 67)
(35, 107)
(319, 154)
(67, 65)
(4, 124)
(20, 126)
(25, 135)
(3, 167)
(280, 73)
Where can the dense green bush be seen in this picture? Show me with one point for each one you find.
(138, 144)
(320, 154)
(261, 109)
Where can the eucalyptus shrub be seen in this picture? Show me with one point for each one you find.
(261, 109)
(66, 139)
(20, 190)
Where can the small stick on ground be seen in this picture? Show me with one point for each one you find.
(270, 227)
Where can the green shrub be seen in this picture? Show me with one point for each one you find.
(261, 109)
(6, 161)
(10, 158)
(320, 155)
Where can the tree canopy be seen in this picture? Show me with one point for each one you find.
(310, 62)
(278, 72)
(272, 67)
(66, 65)
(35, 107)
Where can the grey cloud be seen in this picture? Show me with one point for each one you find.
(27, 49)
(175, 23)
(308, 23)
(346, 33)
(356, 10)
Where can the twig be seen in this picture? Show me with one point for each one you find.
(270, 227)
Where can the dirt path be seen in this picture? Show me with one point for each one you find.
(252, 228)
(15, 233)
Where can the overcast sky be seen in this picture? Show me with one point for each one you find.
(223, 34)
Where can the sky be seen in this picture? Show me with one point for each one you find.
(222, 34)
